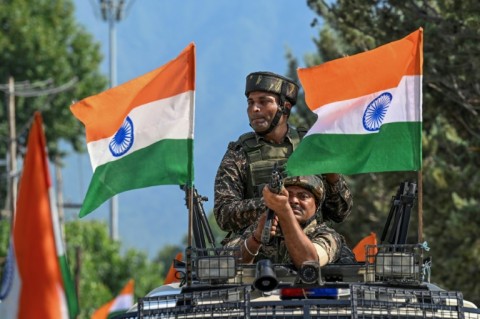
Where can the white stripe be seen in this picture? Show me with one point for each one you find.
(62, 298)
(122, 302)
(345, 117)
(56, 223)
(63, 302)
(170, 118)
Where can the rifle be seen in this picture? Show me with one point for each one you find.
(274, 186)
(201, 226)
(399, 214)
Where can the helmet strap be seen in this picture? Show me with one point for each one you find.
(276, 119)
(281, 110)
(311, 219)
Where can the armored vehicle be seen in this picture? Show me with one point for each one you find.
(392, 282)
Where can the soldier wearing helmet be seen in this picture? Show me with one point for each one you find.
(248, 162)
(303, 237)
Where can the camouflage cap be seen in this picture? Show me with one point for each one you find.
(312, 183)
(274, 83)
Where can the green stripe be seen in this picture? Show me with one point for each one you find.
(69, 288)
(167, 162)
(397, 147)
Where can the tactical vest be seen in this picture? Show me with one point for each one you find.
(261, 157)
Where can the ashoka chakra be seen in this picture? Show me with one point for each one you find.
(123, 139)
(375, 113)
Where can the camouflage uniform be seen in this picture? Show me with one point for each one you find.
(235, 210)
(248, 162)
(318, 233)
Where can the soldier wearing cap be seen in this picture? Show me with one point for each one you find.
(248, 162)
(304, 237)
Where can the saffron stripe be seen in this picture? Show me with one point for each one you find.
(103, 114)
(364, 73)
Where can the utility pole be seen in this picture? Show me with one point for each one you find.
(25, 89)
(12, 150)
(112, 12)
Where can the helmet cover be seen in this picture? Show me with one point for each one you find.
(312, 183)
(273, 83)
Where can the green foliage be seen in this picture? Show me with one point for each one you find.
(218, 234)
(42, 41)
(301, 116)
(4, 242)
(101, 270)
(451, 102)
(4, 236)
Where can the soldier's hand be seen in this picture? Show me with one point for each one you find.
(276, 202)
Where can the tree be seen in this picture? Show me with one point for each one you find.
(451, 102)
(42, 41)
(101, 268)
(4, 242)
(218, 233)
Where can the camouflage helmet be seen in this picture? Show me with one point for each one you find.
(273, 83)
(312, 183)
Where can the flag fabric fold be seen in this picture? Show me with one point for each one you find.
(38, 283)
(140, 133)
(369, 109)
(119, 304)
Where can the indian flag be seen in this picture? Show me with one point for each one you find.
(119, 305)
(140, 133)
(36, 282)
(369, 109)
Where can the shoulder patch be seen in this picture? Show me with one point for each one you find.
(234, 146)
(246, 136)
(248, 141)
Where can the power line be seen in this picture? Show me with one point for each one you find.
(23, 89)
(35, 89)
(27, 84)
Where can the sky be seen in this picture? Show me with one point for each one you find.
(232, 38)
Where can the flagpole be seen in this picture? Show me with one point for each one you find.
(189, 235)
(420, 206)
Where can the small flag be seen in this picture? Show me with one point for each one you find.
(171, 276)
(140, 133)
(360, 249)
(369, 109)
(39, 284)
(120, 304)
